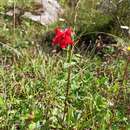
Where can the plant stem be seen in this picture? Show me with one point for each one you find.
(125, 75)
(123, 89)
(14, 18)
(68, 85)
(125, 70)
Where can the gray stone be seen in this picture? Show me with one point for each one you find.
(107, 6)
(46, 13)
(52, 10)
(112, 6)
(11, 12)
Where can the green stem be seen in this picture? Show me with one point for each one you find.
(68, 85)
(125, 77)
(123, 89)
(125, 70)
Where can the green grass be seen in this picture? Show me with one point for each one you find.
(37, 85)
(33, 84)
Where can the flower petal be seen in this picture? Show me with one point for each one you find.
(63, 38)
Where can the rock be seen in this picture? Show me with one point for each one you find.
(50, 14)
(45, 12)
(107, 6)
(126, 30)
(111, 6)
(15, 13)
(12, 11)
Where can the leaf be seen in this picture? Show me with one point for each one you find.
(1, 102)
(67, 65)
(32, 126)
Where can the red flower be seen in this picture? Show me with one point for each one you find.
(63, 37)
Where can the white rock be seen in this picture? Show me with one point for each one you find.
(48, 14)
(125, 27)
(52, 10)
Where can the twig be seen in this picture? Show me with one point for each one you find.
(76, 12)
(14, 18)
